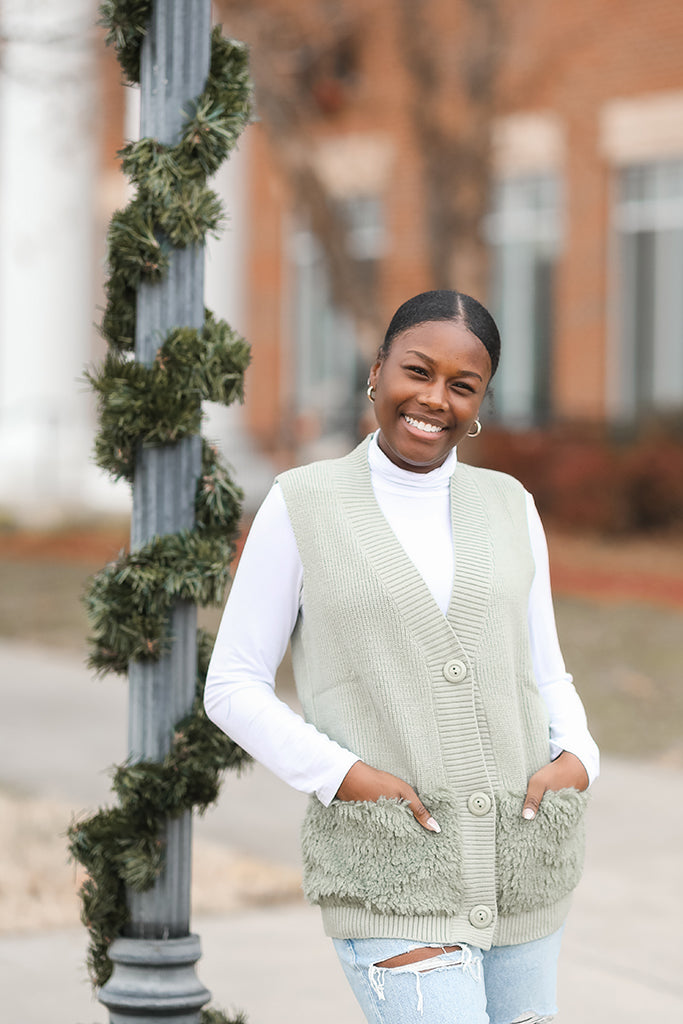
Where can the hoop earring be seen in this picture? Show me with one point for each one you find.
(371, 391)
(477, 429)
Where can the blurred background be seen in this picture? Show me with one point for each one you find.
(528, 153)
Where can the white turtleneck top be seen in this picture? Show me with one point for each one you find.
(265, 600)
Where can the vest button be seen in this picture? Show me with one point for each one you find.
(455, 670)
(479, 804)
(481, 916)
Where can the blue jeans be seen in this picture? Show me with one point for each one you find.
(502, 985)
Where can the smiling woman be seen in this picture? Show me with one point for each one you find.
(442, 741)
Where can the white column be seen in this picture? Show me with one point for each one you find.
(226, 288)
(48, 122)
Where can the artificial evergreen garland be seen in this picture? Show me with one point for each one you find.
(161, 404)
(129, 601)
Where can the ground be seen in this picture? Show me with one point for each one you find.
(38, 885)
(619, 606)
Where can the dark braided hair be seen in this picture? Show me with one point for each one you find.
(446, 305)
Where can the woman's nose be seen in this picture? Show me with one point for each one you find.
(434, 395)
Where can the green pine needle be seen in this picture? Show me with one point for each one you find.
(126, 23)
(218, 1017)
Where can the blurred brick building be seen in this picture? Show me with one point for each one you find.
(585, 223)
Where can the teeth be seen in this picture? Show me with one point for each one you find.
(429, 428)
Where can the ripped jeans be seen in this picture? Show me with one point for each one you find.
(502, 985)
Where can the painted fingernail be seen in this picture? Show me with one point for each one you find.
(433, 825)
(528, 813)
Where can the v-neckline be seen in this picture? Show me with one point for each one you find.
(472, 554)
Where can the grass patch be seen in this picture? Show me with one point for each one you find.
(626, 661)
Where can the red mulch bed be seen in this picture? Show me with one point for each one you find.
(617, 585)
(648, 568)
(86, 546)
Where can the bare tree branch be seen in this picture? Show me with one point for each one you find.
(296, 69)
(303, 60)
(453, 103)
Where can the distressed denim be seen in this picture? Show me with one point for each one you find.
(503, 985)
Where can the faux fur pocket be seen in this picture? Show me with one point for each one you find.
(539, 861)
(376, 855)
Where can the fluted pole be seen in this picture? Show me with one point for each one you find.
(154, 977)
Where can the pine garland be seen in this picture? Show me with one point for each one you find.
(161, 404)
(120, 846)
(172, 196)
(129, 601)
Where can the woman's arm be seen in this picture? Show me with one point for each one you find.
(259, 617)
(572, 746)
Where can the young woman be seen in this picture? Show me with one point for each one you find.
(443, 742)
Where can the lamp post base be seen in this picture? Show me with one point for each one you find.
(154, 980)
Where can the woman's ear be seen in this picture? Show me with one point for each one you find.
(374, 370)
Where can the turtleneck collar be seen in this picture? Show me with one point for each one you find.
(384, 470)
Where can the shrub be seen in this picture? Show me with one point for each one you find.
(582, 478)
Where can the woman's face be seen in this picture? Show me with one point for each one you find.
(428, 391)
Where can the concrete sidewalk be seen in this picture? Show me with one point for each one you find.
(622, 952)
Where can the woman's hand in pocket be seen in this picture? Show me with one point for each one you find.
(565, 772)
(362, 782)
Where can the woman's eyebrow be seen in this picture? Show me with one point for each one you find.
(427, 359)
(432, 362)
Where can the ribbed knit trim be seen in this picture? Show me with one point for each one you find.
(384, 550)
(358, 923)
(473, 560)
(534, 924)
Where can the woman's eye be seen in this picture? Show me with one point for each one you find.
(460, 385)
(417, 369)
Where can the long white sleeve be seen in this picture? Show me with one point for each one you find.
(258, 620)
(568, 725)
(262, 610)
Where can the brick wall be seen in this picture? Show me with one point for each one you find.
(567, 59)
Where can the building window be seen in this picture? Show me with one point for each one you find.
(328, 370)
(524, 232)
(649, 230)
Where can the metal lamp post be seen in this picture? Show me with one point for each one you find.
(154, 976)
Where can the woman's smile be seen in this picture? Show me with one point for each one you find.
(422, 425)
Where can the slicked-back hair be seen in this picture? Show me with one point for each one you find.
(446, 304)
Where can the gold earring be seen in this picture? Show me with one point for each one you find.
(477, 429)
(371, 391)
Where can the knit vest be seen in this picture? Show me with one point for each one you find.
(447, 702)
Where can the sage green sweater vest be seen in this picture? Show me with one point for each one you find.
(448, 703)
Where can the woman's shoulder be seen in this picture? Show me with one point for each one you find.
(319, 474)
(495, 485)
(491, 477)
